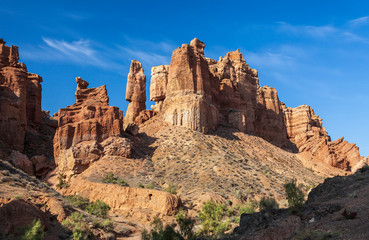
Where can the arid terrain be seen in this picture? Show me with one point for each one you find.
(213, 134)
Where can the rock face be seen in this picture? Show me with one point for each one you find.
(269, 122)
(135, 91)
(134, 201)
(87, 130)
(201, 93)
(188, 100)
(158, 86)
(20, 105)
(22, 125)
(306, 130)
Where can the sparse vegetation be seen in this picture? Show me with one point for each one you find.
(186, 224)
(171, 188)
(151, 185)
(98, 208)
(295, 196)
(267, 203)
(110, 178)
(35, 231)
(248, 207)
(211, 217)
(78, 201)
(77, 226)
(106, 224)
(61, 182)
(140, 185)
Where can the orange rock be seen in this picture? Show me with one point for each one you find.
(135, 91)
(127, 199)
(84, 126)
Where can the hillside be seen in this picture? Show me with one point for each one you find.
(213, 134)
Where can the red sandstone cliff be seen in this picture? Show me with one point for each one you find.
(24, 128)
(88, 130)
(201, 93)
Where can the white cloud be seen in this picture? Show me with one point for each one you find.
(313, 31)
(149, 58)
(327, 32)
(359, 21)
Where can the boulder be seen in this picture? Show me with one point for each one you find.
(21, 161)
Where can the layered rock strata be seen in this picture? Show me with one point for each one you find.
(88, 130)
(23, 126)
(201, 93)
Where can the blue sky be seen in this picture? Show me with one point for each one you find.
(313, 52)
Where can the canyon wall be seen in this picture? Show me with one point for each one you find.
(25, 130)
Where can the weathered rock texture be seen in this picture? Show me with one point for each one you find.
(87, 130)
(23, 127)
(158, 85)
(306, 130)
(135, 91)
(202, 93)
(129, 200)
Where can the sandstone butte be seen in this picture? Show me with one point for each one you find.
(195, 96)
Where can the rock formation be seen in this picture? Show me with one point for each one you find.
(306, 130)
(201, 93)
(22, 126)
(269, 122)
(158, 85)
(135, 91)
(87, 130)
(188, 98)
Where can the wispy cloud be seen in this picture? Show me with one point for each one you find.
(345, 32)
(359, 21)
(87, 52)
(313, 31)
(81, 52)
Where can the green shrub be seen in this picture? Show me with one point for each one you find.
(78, 201)
(267, 203)
(171, 188)
(151, 185)
(295, 196)
(106, 224)
(211, 217)
(34, 231)
(110, 178)
(140, 185)
(185, 224)
(75, 223)
(248, 207)
(61, 182)
(160, 232)
(98, 208)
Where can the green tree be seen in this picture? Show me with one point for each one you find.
(295, 196)
(34, 231)
(211, 217)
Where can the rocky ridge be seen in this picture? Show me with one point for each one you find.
(202, 94)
